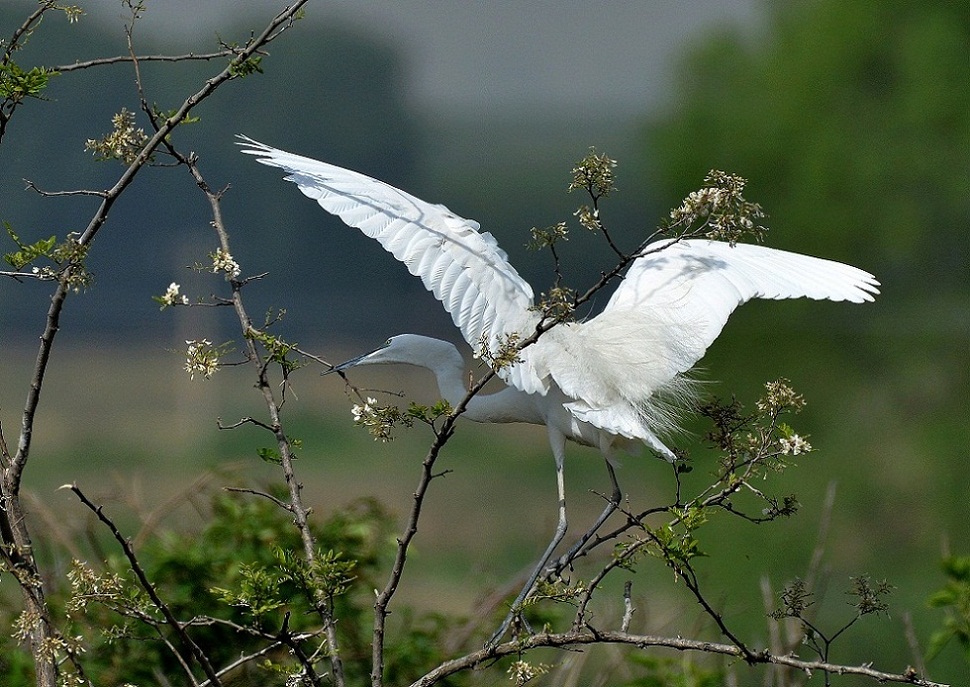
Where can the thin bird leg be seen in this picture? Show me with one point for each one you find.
(567, 558)
(558, 443)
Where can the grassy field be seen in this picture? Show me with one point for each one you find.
(136, 434)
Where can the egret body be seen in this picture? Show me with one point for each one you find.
(608, 382)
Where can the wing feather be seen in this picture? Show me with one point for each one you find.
(698, 284)
(671, 306)
(464, 269)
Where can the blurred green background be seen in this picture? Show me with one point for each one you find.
(851, 121)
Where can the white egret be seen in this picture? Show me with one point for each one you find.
(608, 382)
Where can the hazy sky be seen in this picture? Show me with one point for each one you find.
(468, 55)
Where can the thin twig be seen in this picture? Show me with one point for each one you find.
(120, 59)
(262, 494)
(31, 186)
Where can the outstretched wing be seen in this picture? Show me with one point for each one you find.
(464, 269)
(699, 283)
(671, 306)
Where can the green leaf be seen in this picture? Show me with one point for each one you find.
(17, 84)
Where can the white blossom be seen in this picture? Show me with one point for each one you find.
(362, 413)
(794, 445)
(222, 261)
(201, 358)
(172, 296)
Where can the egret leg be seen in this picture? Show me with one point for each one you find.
(611, 507)
(558, 442)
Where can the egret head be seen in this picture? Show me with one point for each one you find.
(406, 349)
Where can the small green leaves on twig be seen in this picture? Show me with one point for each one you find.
(67, 256)
(676, 542)
(273, 455)
(260, 588)
(557, 590)
(258, 593)
(277, 348)
(17, 84)
(239, 69)
(429, 415)
(548, 237)
(326, 576)
(718, 211)
(161, 115)
(124, 142)
(954, 598)
(28, 252)
(870, 595)
(795, 600)
(247, 67)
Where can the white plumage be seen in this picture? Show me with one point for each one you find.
(604, 382)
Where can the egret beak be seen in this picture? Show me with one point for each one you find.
(353, 361)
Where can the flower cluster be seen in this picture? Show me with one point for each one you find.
(172, 297)
(589, 218)
(522, 672)
(794, 445)
(721, 209)
(73, 13)
(124, 142)
(222, 261)
(505, 355)
(201, 358)
(362, 412)
(594, 174)
(779, 396)
(379, 420)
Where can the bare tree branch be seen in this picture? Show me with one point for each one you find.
(585, 637)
